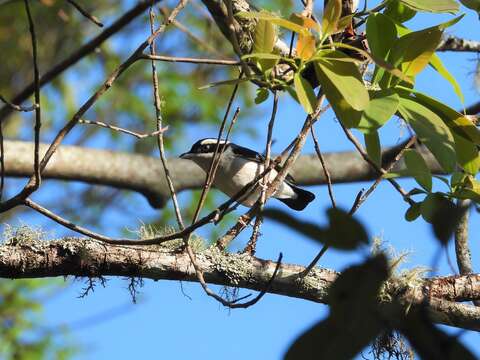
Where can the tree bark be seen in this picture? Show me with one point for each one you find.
(23, 255)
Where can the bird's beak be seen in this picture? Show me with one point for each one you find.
(185, 155)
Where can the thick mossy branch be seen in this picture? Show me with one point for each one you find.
(25, 255)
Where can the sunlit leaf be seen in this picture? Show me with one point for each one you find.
(264, 38)
(305, 46)
(436, 6)
(344, 77)
(331, 16)
(382, 106)
(437, 64)
(274, 20)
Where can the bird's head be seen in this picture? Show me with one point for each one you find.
(202, 151)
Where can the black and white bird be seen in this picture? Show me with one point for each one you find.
(238, 167)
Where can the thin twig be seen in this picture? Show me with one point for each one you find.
(17, 107)
(158, 110)
(119, 129)
(210, 176)
(324, 167)
(190, 60)
(252, 243)
(378, 169)
(38, 115)
(85, 13)
(361, 197)
(387, 169)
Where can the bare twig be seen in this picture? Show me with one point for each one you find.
(17, 107)
(190, 60)
(38, 116)
(119, 129)
(210, 176)
(378, 169)
(158, 111)
(85, 13)
(251, 245)
(324, 167)
(387, 169)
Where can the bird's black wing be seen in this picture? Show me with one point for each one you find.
(257, 157)
(247, 153)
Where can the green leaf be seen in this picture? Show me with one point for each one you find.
(262, 56)
(344, 77)
(262, 95)
(331, 16)
(467, 154)
(305, 93)
(437, 64)
(381, 34)
(414, 50)
(460, 124)
(398, 11)
(413, 212)
(382, 106)
(436, 6)
(264, 39)
(274, 20)
(372, 143)
(418, 168)
(431, 131)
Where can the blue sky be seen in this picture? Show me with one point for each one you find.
(177, 320)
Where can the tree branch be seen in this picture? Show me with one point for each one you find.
(24, 256)
(144, 174)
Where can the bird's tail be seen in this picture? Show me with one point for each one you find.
(303, 198)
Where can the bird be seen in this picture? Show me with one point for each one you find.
(238, 166)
